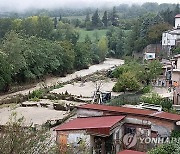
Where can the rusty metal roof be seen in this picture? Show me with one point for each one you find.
(117, 109)
(131, 152)
(98, 125)
(133, 111)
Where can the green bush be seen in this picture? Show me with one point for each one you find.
(127, 82)
(157, 100)
(152, 99)
(146, 89)
(163, 149)
(37, 94)
(175, 134)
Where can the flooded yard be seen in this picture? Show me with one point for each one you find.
(86, 89)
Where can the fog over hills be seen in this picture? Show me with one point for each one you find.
(21, 5)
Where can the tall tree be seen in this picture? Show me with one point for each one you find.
(5, 71)
(60, 17)
(95, 19)
(103, 48)
(55, 22)
(105, 19)
(114, 17)
(44, 26)
(87, 17)
(176, 10)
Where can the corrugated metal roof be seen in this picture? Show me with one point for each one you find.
(100, 125)
(131, 152)
(117, 109)
(125, 110)
(168, 116)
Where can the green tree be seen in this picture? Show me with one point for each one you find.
(87, 19)
(152, 71)
(115, 42)
(82, 56)
(44, 26)
(55, 22)
(89, 25)
(176, 10)
(155, 32)
(96, 19)
(87, 39)
(13, 48)
(29, 25)
(105, 19)
(114, 17)
(127, 82)
(5, 72)
(103, 48)
(5, 26)
(65, 32)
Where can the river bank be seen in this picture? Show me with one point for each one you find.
(109, 63)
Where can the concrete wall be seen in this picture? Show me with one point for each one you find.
(65, 138)
(168, 39)
(178, 63)
(176, 77)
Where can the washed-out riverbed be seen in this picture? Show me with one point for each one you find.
(36, 114)
(109, 63)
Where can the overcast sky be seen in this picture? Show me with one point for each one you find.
(25, 4)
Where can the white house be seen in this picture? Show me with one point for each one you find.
(171, 37)
(177, 21)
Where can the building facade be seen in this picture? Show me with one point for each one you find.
(171, 38)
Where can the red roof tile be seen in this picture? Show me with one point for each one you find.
(130, 152)
(127, 110)
(93, 124)
(177, 16)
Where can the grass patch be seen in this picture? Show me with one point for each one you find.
(92, 34)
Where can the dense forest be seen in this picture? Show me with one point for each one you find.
(37, 43)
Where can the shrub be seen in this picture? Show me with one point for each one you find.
(146, 89)
(37, 94)
(127, 82)
(157, 100)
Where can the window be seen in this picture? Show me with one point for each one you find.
(131, 130)
(150, 56)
